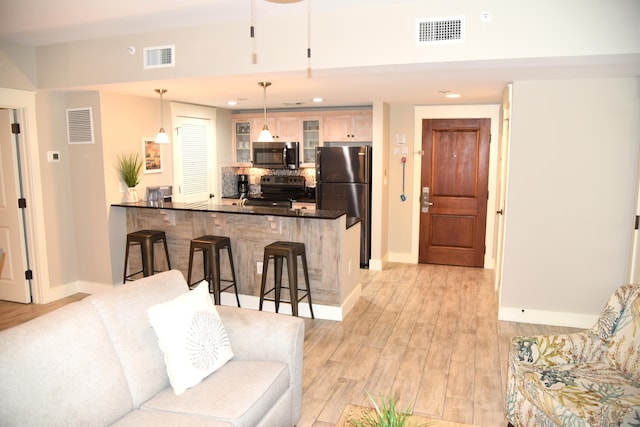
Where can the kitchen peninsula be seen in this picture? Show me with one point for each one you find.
(332, 243)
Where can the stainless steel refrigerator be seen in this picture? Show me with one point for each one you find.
(343, 182)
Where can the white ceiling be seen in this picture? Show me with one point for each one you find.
(42, 22)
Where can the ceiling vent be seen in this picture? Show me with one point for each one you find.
(80, 125)
(159, 56)
(449, 30)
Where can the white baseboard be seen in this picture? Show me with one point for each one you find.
(541, 317)
(320, 311)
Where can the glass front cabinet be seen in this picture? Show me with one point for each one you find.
(310, 140)
(242, 142)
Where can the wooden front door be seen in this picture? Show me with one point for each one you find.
(455, 169)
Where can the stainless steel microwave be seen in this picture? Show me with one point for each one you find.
(276, 155)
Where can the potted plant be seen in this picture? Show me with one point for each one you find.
(385, 414)
(129, 168)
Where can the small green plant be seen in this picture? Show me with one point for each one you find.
(386, 414)
(129, 168)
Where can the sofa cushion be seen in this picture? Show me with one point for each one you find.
(124, 313)
(240, 393)
(588, 394)
(143, 418)
(624, 346)
(191, 336)
(61, 369)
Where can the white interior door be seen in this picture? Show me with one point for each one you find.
(192, 160)
(13, 285)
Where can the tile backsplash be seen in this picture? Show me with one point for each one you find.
(229, 176)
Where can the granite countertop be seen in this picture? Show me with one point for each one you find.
(245, 210)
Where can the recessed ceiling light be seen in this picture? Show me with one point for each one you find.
(452, 95)
(232, 102)
(317, 99)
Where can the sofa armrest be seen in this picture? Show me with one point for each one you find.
(259, 335)
(550, 350)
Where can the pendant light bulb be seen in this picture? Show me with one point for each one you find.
(161, 137)
(265, 134)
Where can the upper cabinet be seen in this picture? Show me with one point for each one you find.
(242, 137)
(308, 128)
(311, 137)
(348, 126)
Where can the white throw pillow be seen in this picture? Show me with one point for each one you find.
(191, 336)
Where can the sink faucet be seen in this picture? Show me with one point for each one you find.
(242, 201)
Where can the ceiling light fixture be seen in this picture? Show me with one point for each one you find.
(265, 134)
(162, 137)
(452, 95)
(317, 99)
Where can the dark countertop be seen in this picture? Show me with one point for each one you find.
(244, 210)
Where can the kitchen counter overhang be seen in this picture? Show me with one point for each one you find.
(332, 242)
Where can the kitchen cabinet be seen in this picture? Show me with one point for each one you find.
(310, 128)
(311, 137)
(348, 127)
(283, 129)
(242, 138)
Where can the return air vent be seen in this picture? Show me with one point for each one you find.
(447, 30)
(80, 125)
(159, 56)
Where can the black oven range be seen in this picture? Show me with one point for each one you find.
(279, 191)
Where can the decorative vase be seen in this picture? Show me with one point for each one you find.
(132, 195)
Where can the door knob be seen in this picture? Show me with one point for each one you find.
(425, 200)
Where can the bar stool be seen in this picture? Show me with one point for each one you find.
(210, 247)
(289, 251)
(146, 239)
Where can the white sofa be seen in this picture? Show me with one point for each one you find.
(97, 362)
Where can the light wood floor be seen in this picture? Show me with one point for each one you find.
(427, 334)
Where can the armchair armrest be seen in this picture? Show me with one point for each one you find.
(259, 335)
(550, 350)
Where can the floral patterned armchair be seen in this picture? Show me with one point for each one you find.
(588, 378)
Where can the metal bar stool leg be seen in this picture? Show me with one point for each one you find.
(292, 270)
(263, 283)
(233, 274)
(306, 280)
(277, 280)
(214, 278)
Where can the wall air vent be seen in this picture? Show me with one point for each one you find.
(447, 30)
(80, 125)
(159, 56)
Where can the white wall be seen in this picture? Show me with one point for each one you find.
(570, 204)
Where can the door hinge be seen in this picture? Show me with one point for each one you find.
(22, 203)
(28, 275)
(637, 225)
(15, 128)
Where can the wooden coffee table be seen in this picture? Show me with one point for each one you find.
(354, 412)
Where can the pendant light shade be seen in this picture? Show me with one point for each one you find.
(162, 137)
(265, 134)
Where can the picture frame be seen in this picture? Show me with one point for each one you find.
(151, 156)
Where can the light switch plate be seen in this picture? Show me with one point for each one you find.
(53, 156)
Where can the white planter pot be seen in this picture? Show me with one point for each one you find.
(132, 195)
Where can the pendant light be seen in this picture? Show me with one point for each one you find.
(161, 137)
(265, 134)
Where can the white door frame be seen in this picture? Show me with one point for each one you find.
(25, 104)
